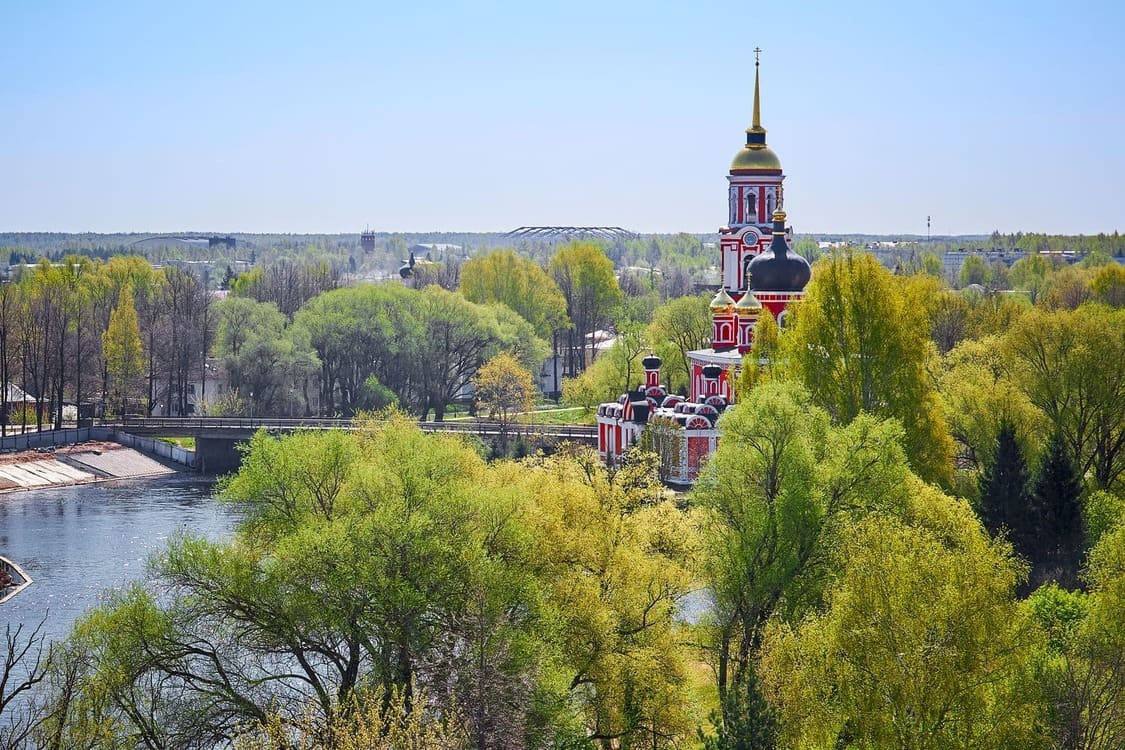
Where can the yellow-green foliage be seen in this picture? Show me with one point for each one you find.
(979, 394)
(540, 598)
(922, 644)
(504, 388)
(124, 353)
(363, 723)
(860, 345)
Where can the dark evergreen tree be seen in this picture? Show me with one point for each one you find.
(1004, 502)
(745, 721)
(228, 277)
(1057, 516)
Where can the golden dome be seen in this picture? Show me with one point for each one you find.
(755, 156)
(748, 303)
(722, 303)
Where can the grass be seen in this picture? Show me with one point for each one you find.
(186, 443)
(576, 415)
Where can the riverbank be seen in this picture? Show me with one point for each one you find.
(81, 463)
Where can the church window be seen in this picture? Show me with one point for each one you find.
(751, 207)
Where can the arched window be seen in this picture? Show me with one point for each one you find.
(769, 203)
(783, 319)
(751, 212)
(734, 205)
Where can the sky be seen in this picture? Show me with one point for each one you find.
(482, 116)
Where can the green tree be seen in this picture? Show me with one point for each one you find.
(1066, 362)
(776, 494)
(457, 338)
(615, 555)
(265, 360)
(585, 277)
(1080, 671)
(678, 327)
(1004, 500)
(974, 271)
(762, 357)
(979, 394)
(877, 670)
(614, 372)
(860, 346)
(1057, 517)
(504, 277)
(947, 311)
(1030, 274)
(504, 389)
(124, 353)
(1108, 285)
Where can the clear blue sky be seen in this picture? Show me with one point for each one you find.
(305, 117)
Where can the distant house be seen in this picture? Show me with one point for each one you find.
(202, 394)
(435, 250)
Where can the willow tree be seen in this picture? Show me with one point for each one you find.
(923, 643)
(776, 493)
(860, 345)
(521, 284)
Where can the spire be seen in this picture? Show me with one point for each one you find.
(756, 134)
(757, 97)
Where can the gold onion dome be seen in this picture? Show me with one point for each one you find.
(722, 303)
(756, 155)
(748, 302)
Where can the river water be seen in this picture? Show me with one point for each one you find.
(77, 542)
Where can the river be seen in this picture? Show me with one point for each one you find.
(77, 542)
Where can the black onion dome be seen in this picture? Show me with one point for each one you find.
(779, 269)
(712, 371)
(651, 362)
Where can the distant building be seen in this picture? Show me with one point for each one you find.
(367, 241)
(435, 250)
(203, 392)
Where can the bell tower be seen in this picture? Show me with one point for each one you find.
(754, 192)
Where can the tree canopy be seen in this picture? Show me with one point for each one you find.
(859, 346)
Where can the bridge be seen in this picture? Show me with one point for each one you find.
(570, 233)
(216, 438)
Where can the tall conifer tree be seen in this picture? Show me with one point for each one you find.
(1057, 516)
(1003, 491)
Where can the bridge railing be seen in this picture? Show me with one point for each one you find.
(188, 425)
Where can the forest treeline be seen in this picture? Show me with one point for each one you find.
(912, 535)
(126, 337)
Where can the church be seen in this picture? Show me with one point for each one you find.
(758, 270)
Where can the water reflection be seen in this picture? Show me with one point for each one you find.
(76, 542)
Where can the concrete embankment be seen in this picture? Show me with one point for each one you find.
(91, 461)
